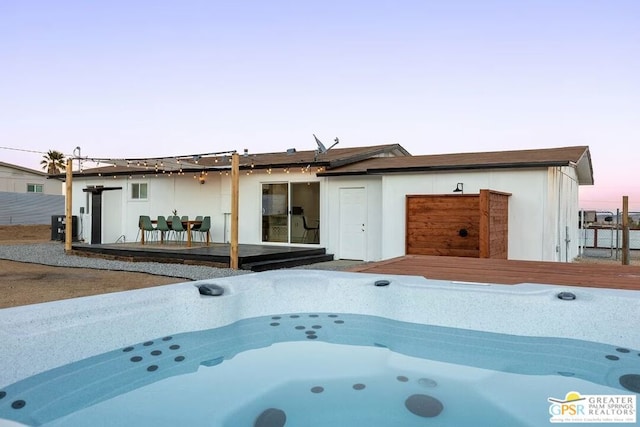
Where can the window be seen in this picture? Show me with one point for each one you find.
(139, 191)
(35, 188)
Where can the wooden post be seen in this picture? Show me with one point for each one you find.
(68, 228)
(235, 181)
(485, 225)
(625, 230)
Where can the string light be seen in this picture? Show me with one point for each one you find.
(180, 165)
(199, 175)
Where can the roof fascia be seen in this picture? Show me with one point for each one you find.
(380, 171)
(584, 169)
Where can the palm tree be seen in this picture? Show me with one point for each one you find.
(53, 162)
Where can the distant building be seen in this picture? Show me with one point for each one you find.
(607, 218)
(28, 196)
(18, 179)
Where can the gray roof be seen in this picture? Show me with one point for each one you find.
(22, 169)
(368, 160)
(335, 157)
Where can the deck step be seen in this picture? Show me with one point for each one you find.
(286, 263)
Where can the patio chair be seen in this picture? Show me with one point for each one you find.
(204, 229)
(307, 229)
(177, 227)
(195, 227)
(146, 226)
(163, 227)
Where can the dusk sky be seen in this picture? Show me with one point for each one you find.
(161, 78)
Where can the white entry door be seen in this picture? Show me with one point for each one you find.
(353, 225)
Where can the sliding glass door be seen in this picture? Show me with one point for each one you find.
(291, 212)
(305, 212)
(275, 212)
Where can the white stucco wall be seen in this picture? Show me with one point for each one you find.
(120, 213)
(188, 197)
(563, 208)
(571, 196)
(531, 228)
(543, 204)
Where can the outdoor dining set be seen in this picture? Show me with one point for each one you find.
(174, 228)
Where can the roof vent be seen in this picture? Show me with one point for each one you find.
(291, 150)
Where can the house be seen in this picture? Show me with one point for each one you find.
(27, 196)
(359, 203)
(18, 179)
(542, 186)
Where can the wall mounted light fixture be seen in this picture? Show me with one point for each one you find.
(459, 188)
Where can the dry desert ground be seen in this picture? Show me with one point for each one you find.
(27, 282)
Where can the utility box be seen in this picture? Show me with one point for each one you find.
(59, 227)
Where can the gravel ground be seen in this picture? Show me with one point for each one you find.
(33, 269)
(53, 254)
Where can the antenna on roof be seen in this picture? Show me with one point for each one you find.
(321, 148)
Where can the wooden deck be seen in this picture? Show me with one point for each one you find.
(509, 272)
(250, 257)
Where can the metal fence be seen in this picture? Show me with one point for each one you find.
(29, 208)
(601, 234)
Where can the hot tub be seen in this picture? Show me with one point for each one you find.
(312, 348)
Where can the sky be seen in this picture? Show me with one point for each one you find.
(130, 79)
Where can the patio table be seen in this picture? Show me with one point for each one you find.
(188, 225)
